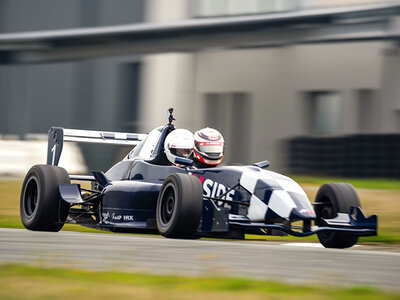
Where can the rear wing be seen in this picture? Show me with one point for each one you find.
(58, 135)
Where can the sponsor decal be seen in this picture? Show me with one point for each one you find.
(128, 218)
(210, 143)
(116, 217)
(215, 189)
(106, 216)
(201, 177)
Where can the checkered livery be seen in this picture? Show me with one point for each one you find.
(273, 195)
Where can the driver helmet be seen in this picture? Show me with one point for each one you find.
(179, 143)
(208, 146)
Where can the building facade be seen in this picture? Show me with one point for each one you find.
(92, 94)
(261, 98)
(258, 98)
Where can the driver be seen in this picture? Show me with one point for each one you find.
(208, 148)
(178, 143)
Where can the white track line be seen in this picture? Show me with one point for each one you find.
(309, 245)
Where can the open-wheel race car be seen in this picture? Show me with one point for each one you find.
(146, 193)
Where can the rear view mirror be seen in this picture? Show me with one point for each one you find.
(262, 164)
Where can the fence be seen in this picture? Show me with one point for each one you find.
(372, 155)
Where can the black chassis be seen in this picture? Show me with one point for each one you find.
(236, 199)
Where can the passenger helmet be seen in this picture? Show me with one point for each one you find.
(179, 143)
(208, 146)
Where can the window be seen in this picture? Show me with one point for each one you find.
(325, 112)
(127, 111)
(213, 8)
(367, 111)
(230, 113)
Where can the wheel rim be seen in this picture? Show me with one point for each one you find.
(31, 197)
(167, 207)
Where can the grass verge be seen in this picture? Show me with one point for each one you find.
(24, 282)
(370, 183)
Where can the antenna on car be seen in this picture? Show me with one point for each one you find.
(170, 117)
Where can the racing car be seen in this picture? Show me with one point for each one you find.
(144, 192)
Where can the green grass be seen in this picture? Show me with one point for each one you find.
(27, 282)
(370, 183)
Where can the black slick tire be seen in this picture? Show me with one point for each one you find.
(179, 206)
(335, 198)
(41, 208)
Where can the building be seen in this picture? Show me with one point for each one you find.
(262, 98)
(70, 94)
(259, 98)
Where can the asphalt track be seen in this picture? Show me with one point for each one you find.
(289, 262)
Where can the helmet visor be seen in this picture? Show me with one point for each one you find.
(181, 152)
(211, 149)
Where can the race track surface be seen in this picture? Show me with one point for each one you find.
(289, 262)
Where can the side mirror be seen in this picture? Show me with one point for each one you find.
(184, 161)
(262, 164)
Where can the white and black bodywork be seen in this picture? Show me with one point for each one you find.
(144, 192)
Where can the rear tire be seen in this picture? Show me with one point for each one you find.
(179, 206)
(41, 208)
(337, 198)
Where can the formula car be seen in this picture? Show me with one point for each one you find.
(146, 193)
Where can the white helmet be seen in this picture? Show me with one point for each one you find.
(179, 143)
(208, 146)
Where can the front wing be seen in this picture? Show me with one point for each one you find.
(355, 223)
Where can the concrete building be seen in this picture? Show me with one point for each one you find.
(93, 94)
(261, 98)
(258, 98)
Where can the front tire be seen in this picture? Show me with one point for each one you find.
(179, 206)
(41, 208)
(335, 198)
